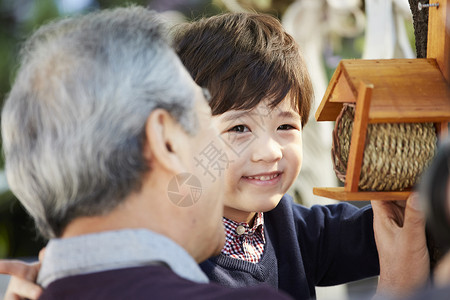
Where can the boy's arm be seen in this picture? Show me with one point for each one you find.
(400, 237)
(343, 247)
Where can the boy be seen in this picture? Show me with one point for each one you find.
(261, 98)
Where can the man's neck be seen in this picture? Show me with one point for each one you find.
(132, 213)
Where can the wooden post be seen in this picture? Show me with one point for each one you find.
(442, 129)
(438, 45)
(358, 140)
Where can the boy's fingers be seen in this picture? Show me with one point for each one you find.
(41, 254)
(400, 235)
(22, 284)
(19, 288)
(20, 269)
(379, 208)
(388, 213)
(414, 217)
(376, 206)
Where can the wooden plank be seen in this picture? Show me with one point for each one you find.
(438, 45)
(339, 193)
(442, 130)
(329, 111)
(405, 90)
(358, 140)
(342, 92)
(383, 116)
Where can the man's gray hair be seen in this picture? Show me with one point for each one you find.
(73, 124)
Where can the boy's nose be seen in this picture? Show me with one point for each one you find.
(266, 149)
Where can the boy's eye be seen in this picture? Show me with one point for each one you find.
(239, 128)
(286, 127)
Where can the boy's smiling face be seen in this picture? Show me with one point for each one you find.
(264, 150)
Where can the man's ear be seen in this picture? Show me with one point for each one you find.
(163, 139)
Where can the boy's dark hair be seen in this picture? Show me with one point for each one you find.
(244, 58)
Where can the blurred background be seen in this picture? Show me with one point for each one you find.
(326, 30)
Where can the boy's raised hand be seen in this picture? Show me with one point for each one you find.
(399, 229)
(22, 284)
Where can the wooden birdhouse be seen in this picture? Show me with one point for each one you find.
(388, 116)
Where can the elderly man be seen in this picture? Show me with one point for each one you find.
(102, 131)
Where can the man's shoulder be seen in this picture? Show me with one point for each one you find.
(157, 282)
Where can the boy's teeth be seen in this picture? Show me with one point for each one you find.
(263, 178)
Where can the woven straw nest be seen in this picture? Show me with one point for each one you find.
(394, 156)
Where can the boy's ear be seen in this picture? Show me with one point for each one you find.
(163, 138)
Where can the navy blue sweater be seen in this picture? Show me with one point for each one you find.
(306, 247)
(150, 282)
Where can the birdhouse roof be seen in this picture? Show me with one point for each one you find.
(404, 90)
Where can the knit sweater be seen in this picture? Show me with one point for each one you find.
(306, 247)
(148, 282)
